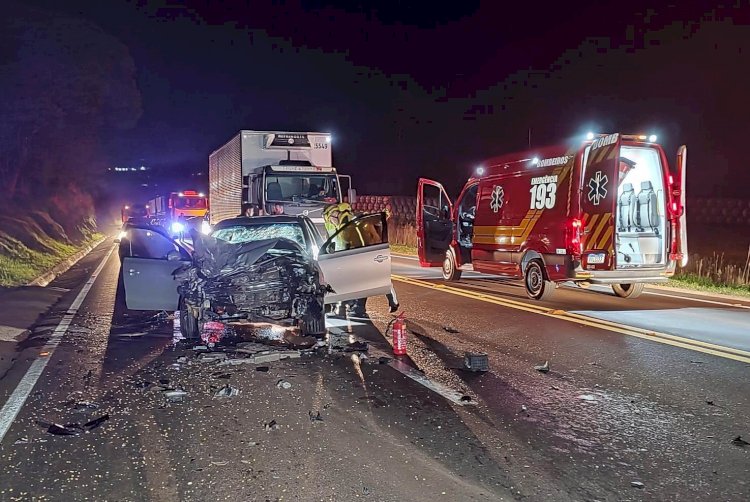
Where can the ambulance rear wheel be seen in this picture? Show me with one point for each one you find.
(537, 286)
(628, 290)
(450, 271)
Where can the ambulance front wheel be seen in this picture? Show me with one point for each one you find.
(628, 290)
(450, 271)
(537, 286)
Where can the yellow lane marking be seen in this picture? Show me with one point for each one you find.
(655, 336)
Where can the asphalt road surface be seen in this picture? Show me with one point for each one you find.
(642, 402)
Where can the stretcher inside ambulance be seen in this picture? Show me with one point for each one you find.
(607, 210)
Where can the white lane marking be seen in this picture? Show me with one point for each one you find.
(15, 402)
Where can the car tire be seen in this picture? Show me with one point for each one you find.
(628, 290)
(450, 271)
(535, 282)
(188, 323)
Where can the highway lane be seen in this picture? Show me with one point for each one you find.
(615, 408)
(715, 322)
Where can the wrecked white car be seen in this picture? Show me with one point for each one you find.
(270, 268)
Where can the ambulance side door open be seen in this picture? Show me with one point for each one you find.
(598, 197)
(434, 224)
(356, 260)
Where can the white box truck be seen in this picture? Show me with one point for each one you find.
(277, 170)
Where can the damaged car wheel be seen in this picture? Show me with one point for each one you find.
(188, 323)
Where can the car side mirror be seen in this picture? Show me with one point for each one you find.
(174, 255)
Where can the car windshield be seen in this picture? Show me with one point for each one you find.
(249, 233)
(190, 202)
(302, 187)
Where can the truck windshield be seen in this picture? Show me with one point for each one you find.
(302, 187)
(190, 203)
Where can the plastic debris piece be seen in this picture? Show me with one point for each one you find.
(466, 399)
(637, 484)
(738, 441)
(175, 395)
(221, 463)
(357, 346)
(524, 408)
(93, 424)
(542, 368)
(587, 397)
(208, 357)
(478, 362)
(85, 406)
(271, 426)
(384, 360)
(315, 417)
(227, 391)
(64, 430)
(262, 368)
(450, 329)
(283, 384)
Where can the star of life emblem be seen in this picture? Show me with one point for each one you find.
(597, 190)
(496, 200)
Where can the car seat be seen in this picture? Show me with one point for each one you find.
(647, 218)
(273, 191)
(627, 208)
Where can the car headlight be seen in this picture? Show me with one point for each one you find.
(122, 235)
(205, 227)
(177, 227)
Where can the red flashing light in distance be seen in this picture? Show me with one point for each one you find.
(190, 192)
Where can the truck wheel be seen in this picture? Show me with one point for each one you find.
(537, 286)
(628, 290)
(450, 271)
(188, 323)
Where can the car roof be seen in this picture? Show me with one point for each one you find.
(259, 220)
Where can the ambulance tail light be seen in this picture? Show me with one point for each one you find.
(574, 234)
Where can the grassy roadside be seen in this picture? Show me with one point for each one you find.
(20, 264)
(686, 280)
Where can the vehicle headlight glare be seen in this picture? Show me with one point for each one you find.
(177, 227)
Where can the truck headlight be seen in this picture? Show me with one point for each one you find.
(177, 227)
(205, 227)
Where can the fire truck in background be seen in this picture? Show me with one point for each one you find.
(178, 212)
(606, 210)
(289, 172)
(138, 211)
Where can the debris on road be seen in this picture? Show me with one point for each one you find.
(477, 362)
(227, 391)
(264, 369)
(738, 441)
(356, 347)
(587, 397)
(83, 406)
(271, 426)
(175, 396)
(315, 417)
(93, 424)
(449, 329)
(209, 357)
(283, 384)
(637, 484)
(64, 430)
(384, 360)
(543, 368)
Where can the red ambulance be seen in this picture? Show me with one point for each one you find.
(606, 210)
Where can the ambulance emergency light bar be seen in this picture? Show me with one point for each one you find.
(640, 137)
(191, 192)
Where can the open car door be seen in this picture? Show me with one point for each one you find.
(149, 258)
(434, 223)
(682, 244)
(356, 260)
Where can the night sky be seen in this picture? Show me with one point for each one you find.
(415, 89)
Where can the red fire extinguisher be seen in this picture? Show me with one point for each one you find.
(399, 336)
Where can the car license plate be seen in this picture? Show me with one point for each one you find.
(595, 258)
